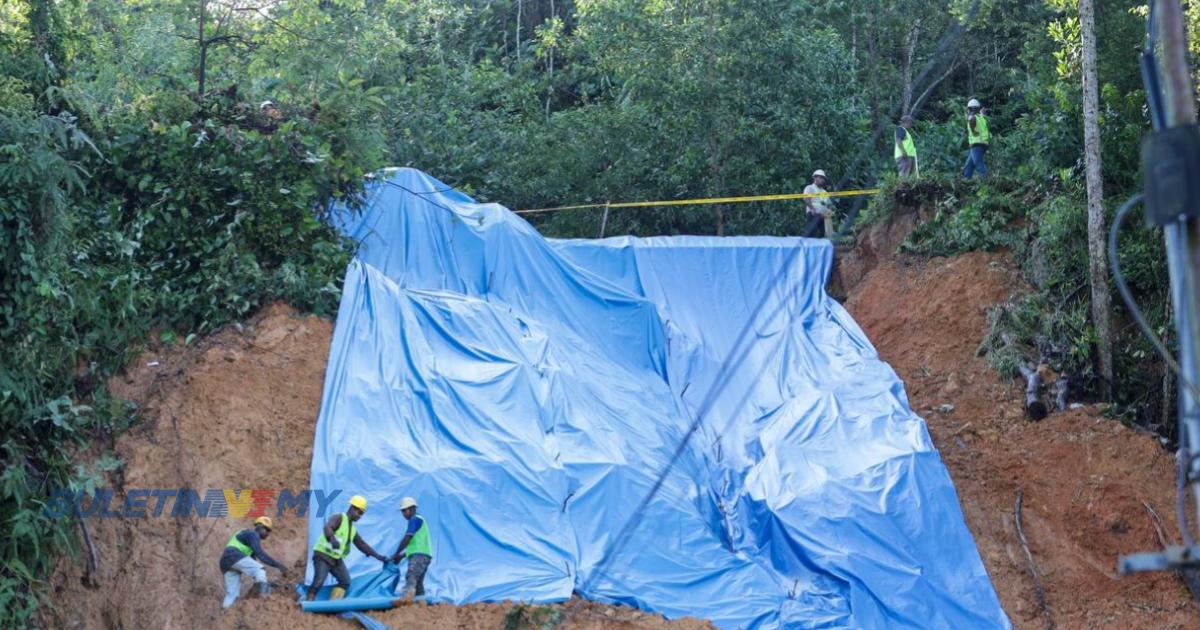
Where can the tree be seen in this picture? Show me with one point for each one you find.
(1097, 263)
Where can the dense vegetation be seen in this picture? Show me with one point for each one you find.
(145, 196)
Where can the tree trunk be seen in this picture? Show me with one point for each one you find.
(906, 69)
(872, 47)
(550, 82)
(200, 70)
(1097, 261)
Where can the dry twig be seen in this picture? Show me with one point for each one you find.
(93, 560)
(1037, 580)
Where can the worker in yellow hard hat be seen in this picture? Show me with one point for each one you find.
(244, 555)
(334, 545)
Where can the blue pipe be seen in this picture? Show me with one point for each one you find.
(348, 603)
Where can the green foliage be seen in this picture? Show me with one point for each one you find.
(962, 215)
(530, 617)
(158, 210)
(982, 219)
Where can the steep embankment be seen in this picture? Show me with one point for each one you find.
(236, 411)
(1087, 481)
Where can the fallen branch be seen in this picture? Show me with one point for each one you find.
(1060, 393)
(1190, 577)
(1158, 524)
(1037, 581)
(1034, 407)
(93, 560)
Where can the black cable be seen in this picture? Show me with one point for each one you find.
(1127, 296)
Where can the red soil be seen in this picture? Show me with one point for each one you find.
(1086, 479)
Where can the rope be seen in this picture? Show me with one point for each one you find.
(705, 201)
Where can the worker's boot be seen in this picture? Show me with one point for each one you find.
(264, 589)
(337, 593)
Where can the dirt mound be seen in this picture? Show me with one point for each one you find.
(236, 411)
(1087, 480)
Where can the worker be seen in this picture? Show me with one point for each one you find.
(819, 209)
(978, 137)
(906, 149)
(244, 555)
(333, 545)
(270, 110)
(416, 545)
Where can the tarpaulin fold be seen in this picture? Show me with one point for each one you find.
(528, 392)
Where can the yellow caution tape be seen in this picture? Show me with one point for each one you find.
(710, 200)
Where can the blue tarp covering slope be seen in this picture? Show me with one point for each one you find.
(527, 392)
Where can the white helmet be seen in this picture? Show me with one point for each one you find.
(408, 502)
(818, 172)
(973, 103)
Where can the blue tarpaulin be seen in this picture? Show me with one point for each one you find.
(528, 392)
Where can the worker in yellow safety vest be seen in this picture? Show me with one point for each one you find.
(978, 137)
(332, 547)
(906, 150)
(417, 546)
(244, 555)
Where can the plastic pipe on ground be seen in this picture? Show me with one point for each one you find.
(347, 604)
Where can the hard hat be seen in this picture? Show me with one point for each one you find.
(819, 172)
(359, 501)
(407, 502)
(266, 104)
(265, 521)
(973, 103)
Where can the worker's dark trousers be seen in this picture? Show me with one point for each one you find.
(905, 166)
(815, 228)
(323, 565)
(414, 579)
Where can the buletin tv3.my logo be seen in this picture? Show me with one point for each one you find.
(189, 503)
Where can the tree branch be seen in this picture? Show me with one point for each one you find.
(277, 24)
(1037, 581)
(929, 90)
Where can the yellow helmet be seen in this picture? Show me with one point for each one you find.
(359, 501)
(265, 521)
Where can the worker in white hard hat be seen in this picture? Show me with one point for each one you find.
(270, 110)
(244, 555)
(978, 137)
(332, 547)
(818, 208)
(417, 546)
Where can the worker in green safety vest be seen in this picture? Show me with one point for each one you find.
(244, 555)
(906, 149)
(417, 546)
(978, 137)
(332, 547)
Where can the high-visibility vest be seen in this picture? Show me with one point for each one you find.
(344, 535)
(979, 135)
(419, 543)
(910, 147)
(239, 545)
